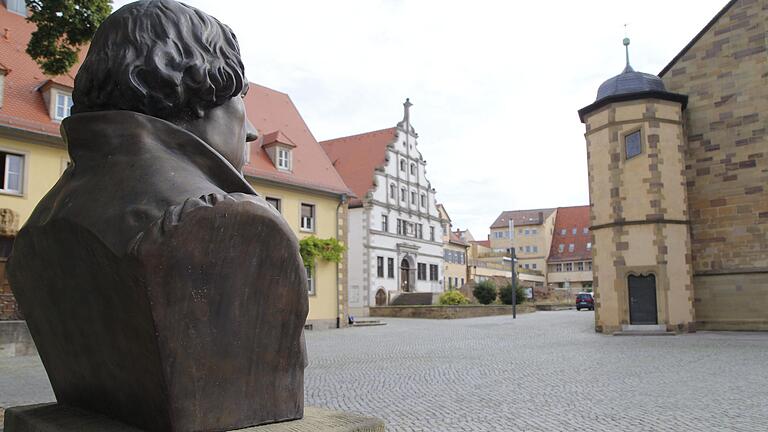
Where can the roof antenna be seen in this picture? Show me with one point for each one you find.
(628, 68)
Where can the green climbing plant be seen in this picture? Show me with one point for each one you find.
(311, 248)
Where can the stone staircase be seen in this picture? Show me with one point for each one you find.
(644, 330)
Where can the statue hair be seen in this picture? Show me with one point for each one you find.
(161, 58)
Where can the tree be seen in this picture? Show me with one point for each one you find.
(485, 292)
(505, 294)
(63, 27)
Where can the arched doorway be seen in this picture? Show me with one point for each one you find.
(381, 297)
(405, 275)
(642, 300)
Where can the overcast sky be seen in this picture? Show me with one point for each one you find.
(495, 84)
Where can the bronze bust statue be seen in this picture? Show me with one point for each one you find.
(159, 288)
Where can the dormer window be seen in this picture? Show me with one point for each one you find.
(284, 158)
(63, 106)
(57, 95)
(279, 148)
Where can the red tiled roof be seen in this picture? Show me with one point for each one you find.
(23, 105)
(356, 157)
(522, 217)
(485, 243)
(567, 219)
(273, 113)
(276, 137)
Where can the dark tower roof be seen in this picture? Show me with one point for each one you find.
(630, 81)
(631, 85)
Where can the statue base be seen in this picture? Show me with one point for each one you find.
(53, 417)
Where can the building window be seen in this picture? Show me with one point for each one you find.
(413, 169)
(527, 249)
(17, 6)
(462, 282)
(413, 197)
(586, 231)
(385, 223)
(422, 271)
(391, 268)
(283, 159)
(589, 265)
(402, 194)
(632, 144)
(380, 266)
(393, 191)
(533, 266)
(573, 231)
(568, 267)
(432, 233)
(579, 266)
(533, 231)
(563, 231)
(535, 248)
(419, 231)
(310, 280)
(433, 272)
(274, 202)
(571, 247)
(423, 200)
(525, 266)
(13, 172)
(307, 217)
(560, 248)
(63, 106)
(589, 245)
(558, 267)
(402, 165)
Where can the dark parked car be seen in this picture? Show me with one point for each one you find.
(585, 301)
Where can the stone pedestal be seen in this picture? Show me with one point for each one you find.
(56, 418)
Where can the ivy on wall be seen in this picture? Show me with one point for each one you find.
(311, 248)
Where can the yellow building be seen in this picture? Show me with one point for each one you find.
(455, 251)
(531, 236)
(288, 167)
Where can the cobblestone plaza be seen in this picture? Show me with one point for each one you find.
(547, 371)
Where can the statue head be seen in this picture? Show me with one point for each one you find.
(171, 61)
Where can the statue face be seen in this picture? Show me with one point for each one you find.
(226, 129)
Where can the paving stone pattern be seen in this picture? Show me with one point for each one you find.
(546, 371)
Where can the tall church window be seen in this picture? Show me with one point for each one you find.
(632, 144)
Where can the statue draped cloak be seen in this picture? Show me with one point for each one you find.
(158, 286)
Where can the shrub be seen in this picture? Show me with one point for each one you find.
(505, 294)
(485, 292)
(453, 297)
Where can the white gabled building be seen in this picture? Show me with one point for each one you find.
(395, 233)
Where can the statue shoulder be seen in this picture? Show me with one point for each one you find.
(234, 218)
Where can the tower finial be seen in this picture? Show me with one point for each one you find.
(627, 68)
(407, 110)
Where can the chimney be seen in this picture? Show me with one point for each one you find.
(541, 218)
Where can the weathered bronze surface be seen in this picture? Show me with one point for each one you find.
(160, 289)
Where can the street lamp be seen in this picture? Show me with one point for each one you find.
(512, 261)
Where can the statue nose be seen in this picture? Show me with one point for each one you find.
(251, 133)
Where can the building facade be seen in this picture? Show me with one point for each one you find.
(395, 230)
(569, 265)
(531, 237)
(289, 168)
(677, 174)
(454, 253)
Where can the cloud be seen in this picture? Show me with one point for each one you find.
(495, 85)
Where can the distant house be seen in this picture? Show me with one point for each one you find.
(569, 264)
(531, 236)
(395, 231)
